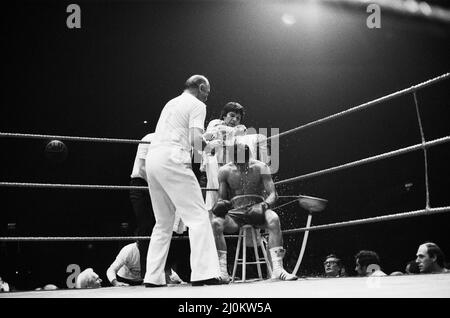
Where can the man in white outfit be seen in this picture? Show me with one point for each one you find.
(174, 187)
(142, 207)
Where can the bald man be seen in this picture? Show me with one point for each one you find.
(430, 259)
(174, 187)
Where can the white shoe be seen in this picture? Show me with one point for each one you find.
(283, 275)
(225, 277)
(174, 278)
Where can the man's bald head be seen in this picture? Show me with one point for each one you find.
(195, 80)
(198, 85)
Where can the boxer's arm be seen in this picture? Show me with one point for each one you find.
(111, 273)
(223, 184)
(222, 206)
(269, 186)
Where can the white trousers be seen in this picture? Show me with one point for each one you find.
(212, 177)
(174, 187)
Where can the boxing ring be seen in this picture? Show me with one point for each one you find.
(436, 285)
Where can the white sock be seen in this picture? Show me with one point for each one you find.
(277, 253)
(223, 262)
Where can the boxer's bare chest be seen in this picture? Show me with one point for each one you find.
(245, 182)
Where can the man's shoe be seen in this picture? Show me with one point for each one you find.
(211, 281)
(173, 278)
(150, 285)
(226, 279)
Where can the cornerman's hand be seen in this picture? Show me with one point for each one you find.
(240, 130)
(210, 146)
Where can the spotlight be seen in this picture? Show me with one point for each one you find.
(288, 19)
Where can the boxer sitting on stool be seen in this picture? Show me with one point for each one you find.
(244, 181)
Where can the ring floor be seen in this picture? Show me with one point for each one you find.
(406, 286)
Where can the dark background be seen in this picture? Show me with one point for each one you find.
(129, 58)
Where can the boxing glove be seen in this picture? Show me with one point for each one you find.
(257, 214)
(221, 208)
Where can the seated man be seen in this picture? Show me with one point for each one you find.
(430, 259)
(333, 266)
(368, 264)
(126, 268)
(243, 181)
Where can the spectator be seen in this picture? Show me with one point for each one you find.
(368, 264)
(126, 268)
(430, 259)
(333, 266)
(88, 279)
(4, 286)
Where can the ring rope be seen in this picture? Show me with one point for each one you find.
(319, 121)
(86, 238)
(290, 202)
(422, 136)
(302, 177)
(384, 218)
(369, 159)
(364, 106)
(73, 138)
(77, 186)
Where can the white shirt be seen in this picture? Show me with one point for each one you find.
(139, 160)
(126, 265)
(177, 117)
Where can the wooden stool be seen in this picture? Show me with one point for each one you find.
(257, 241)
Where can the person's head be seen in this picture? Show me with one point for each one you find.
(88, 279)
(412, 268)
(332, 266)
(366, 262)
(430, 258)
(232, 114)
(198, 85)
(241, 153)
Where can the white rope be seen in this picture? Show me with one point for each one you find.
(365, 105)
(319, 121)
(367, 160)
(85, 238)
(309, 175)
(76, 186)
(290, 202)
(73, 138)
(383, 218)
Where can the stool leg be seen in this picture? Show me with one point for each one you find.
(255, 247)
(244, 254)
(238, 248)
(263, 248)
